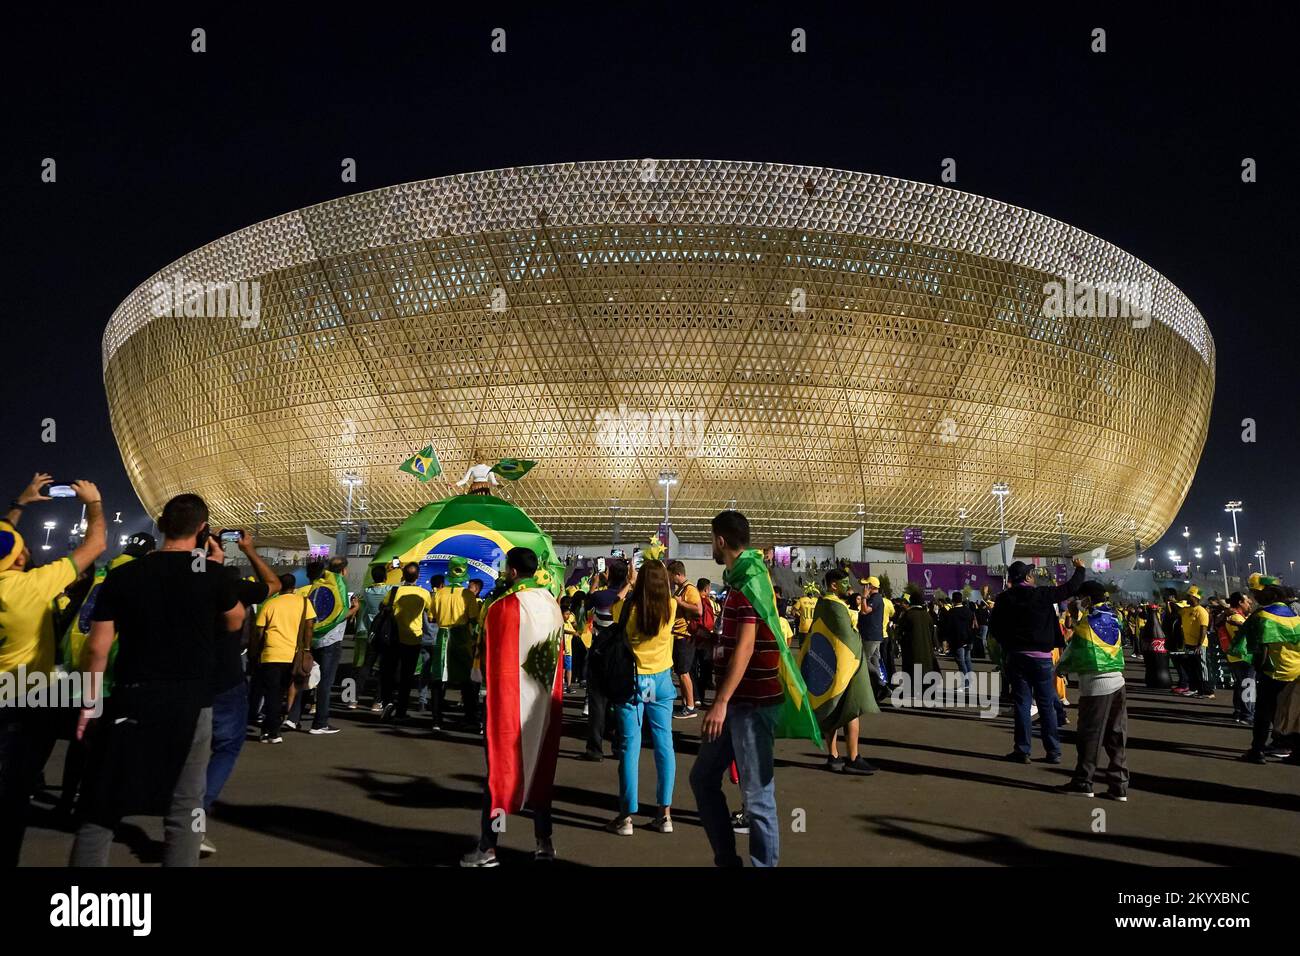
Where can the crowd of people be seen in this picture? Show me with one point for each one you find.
(187, 658)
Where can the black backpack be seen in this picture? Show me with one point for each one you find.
(383, 629)
(611, 663)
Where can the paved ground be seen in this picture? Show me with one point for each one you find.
(383, 795)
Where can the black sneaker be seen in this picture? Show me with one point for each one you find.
(1254, 756)
(1052, 759)
(1017, 757)
(860, 767)
(835, 764)
(685, 713)
(1277, 753)
(1120, 795)
(591, 756)
(739, 822)
(1076, 789)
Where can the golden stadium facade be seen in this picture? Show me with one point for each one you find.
(810, 343)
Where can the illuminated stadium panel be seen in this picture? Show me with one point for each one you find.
(801, 340)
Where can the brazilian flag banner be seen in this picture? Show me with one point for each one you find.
(831, 664)
(1095, 646)
(749, 576)
(512, 469)
(423, 464)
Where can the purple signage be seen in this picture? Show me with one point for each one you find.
(951, 577)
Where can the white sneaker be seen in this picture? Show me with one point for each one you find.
(479, 858)
(268, 739)
(584, 710)
(323, 730)
(620, 825)
(206, 848)
(662, 825)
(288, 725)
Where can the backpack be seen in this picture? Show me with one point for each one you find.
(383, 628)
(704, 627)
(611, 665)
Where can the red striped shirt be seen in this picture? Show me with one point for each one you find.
(759, 685)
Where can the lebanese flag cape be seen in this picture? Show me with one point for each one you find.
(525, 697)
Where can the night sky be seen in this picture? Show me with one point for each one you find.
(161, 150)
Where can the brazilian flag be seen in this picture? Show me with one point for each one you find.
(512, 469)
(329, 599)
(1272, 624)
(423, 464)
(1095, 646)
(831, 663)
(749, 576)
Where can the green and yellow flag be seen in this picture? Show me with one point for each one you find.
(423, 464)
(512, 469)
(749, 576)
(1095, 646)
(830, 662)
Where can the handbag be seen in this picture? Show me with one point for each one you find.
(611, 664)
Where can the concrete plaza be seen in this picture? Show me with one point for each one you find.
(378, 794)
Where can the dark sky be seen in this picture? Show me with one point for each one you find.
(160, 150)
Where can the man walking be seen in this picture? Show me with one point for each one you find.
(741, 724)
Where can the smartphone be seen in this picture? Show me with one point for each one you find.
(618, 553)
(637, 559)
(62, 489)
(600, 565)
(232, 536)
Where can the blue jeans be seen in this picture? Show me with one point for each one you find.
(962, 656)
(747, 738)
(229, 726)
(653, 706)
(328, 659)
(1032, 678)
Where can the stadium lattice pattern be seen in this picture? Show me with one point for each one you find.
(614, 320)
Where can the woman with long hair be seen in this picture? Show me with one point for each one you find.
(650, 635)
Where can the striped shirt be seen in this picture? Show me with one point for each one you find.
(759, 685)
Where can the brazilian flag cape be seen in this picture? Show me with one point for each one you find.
(1095, 646)
(74, 639)
(329, 599)
(830, 662)
(749, 576)
(1274, 624)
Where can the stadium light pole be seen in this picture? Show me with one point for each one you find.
(1263, 556)
(1223, 566)
(962, 516)
(1234, 508)
(614, 509)
(49, 526)
(667, 479)
(352, 481)
(1000, 491)
(259, 509)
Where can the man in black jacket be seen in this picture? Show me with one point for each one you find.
(1025, 623)
(957, 628)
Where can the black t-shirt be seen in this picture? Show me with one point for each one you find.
(228, 668)
(167, 617)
